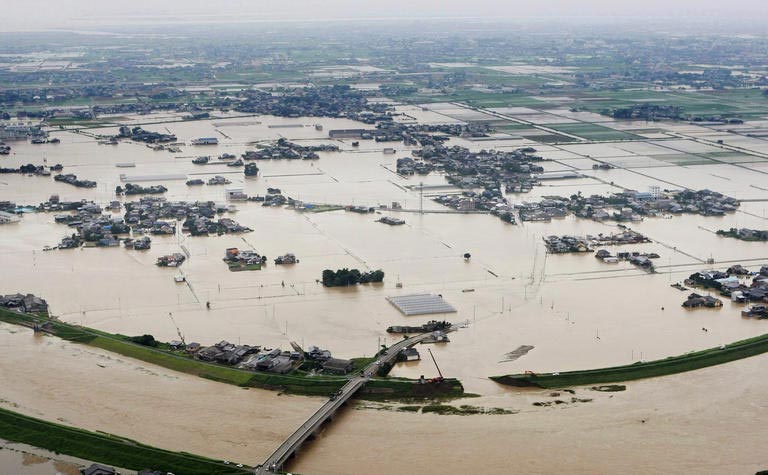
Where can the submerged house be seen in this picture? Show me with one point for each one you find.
(337, 366)
(696, 300)
(411, 354)
(98, 469)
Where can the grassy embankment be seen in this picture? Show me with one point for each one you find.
(640, 370)
(106, 448)
(238, 267)
(300, 383)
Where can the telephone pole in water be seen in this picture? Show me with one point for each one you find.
(421, 197)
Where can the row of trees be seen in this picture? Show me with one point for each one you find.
(345, 277)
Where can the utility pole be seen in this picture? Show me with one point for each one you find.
(421, 197)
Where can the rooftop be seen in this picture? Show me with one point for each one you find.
(421, 304)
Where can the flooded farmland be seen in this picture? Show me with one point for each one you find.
(574, 310)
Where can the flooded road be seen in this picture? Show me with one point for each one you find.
(576, 311)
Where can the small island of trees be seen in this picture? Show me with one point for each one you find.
(345, 277)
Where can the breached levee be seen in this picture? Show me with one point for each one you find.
(641, 370)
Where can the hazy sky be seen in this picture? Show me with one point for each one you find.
(70, 14)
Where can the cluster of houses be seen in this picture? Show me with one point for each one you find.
(648, 112)
(430, 326)
(157, 215)
(216, 180)
(243, 259)
(324, 360)
(71, 179)
(745, 234)
(285, 149)
(93, 227)
(198, 225)
(26, 303)
(695, 301)
(542, 211)
(488, 169)
(20, 130)
(247, 356)
(140, 244)
(409, 166)
(626, 236)
(30, 169)
(55, 204)
(171, 260)
(629, 205)
(103, 230)
(140, 135)
(734, 283)
(757, 311)
(322, 101)
(566, 244)
(257, 358)
(490, 200)
(425, 135)
(639, 259)
(133, 189)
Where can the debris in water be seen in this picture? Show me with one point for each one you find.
(521, 351)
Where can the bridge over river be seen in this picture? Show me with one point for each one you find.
(275, 462)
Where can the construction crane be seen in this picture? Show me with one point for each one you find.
(178, 331)
(440, 378)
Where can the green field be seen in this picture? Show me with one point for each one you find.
(593, 131)
(548, 138)
(513, 127)
(640, 370)
(733, 157)
(239, 267)
(683, 159)
(106, 448)
(483, 99)
(746, 103)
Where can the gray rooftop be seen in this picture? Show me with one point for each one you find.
(421, 304)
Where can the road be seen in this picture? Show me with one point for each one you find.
(278, 458)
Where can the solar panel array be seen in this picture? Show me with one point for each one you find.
(421, 304)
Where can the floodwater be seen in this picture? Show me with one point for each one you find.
(575, 310)
(73, 384)
(709, 421)
(688, 423)
(22, 459)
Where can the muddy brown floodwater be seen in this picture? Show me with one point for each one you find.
(707, 422)
(575, 311)
(73, 384)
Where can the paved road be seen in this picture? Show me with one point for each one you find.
(276, 461)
